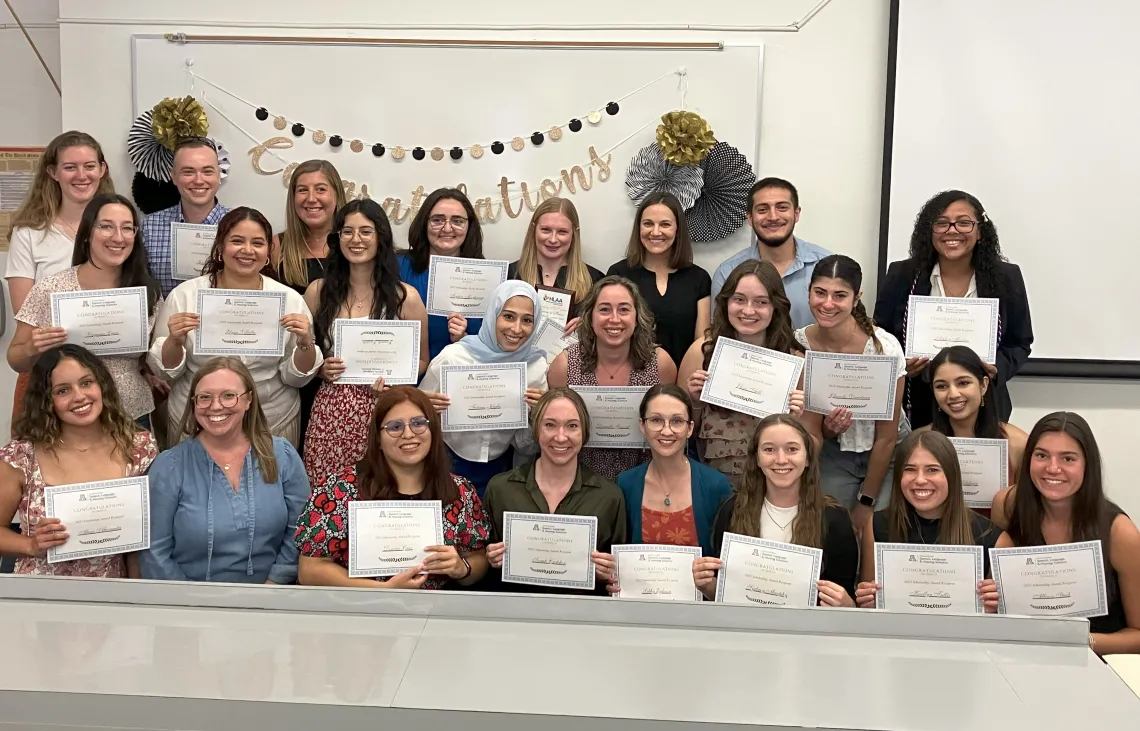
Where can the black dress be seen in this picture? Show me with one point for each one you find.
(924, 531)
(315, 269)
(675, 312)
(559, 281)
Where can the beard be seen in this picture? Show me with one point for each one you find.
(774, 241)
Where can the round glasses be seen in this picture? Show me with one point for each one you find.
(656, 423)
(228, 399)
(962, 226)
(457, 222)
(365, 234)
(395, 427)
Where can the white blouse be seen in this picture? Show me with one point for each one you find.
(37, 255)
(277, 379)
(776, 523)
(481, 446)
(860, 437)
(936, 284)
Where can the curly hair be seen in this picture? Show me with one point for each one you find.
(779, 335)
(419, 250)
(986, 255)
(643, 344)
(215, 265)
(39, 423)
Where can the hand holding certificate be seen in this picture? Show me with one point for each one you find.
(768, 573)
(105, 321)
(549, 550)
(484, 397)
(659, 572)
(459, 285)
(371, 349)
(101, 518)
(614, 415)
(190, 245)
(928, 578)
(551, 340)
(240, 322)
(863, 384)
(750, 379)
(387, 537)
(1062, 580)
(985, 469)
(934, 323)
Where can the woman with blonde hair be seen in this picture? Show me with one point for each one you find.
(552, 254)
(224, 503)
(316, 193)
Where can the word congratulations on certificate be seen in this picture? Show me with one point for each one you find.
(105, 321)
(614, 415)
(386, 537)
(1062, 580)
(102, 518)
(863, 384)
(240, 322)
(549, 550)
(371, 349)
(462, 285)
(928, 579)
(934, 323)
(767, 573)
(985, 469)
(750, 379)
(190, 245)
(657, 572)
(484, 397)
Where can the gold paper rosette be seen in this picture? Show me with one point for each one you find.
(684, 137)
(176, 119)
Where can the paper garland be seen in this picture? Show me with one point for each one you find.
(723, 204)
(649, 172)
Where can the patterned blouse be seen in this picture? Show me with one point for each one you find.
(322, 530)
(671, 529)
(22, 456)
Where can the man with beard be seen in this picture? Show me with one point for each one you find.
(774, 212)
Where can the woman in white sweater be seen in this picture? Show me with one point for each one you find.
(239, 260)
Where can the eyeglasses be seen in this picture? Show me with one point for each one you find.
(656, 423)
(962, 226)
(108, 229)
(418, 424)
(228, 399)
(457, 222)
(366, 234)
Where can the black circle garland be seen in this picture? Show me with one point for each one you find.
(262, 113)
(537, 138)
(298, 129)
(419, 153)
(497, 147)
(456, 153)
(378, 150)
(575, 125)
(612, 108)
(335, 141)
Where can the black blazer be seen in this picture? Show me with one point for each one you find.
(903, 279)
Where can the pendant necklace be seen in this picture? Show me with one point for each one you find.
(773, 519)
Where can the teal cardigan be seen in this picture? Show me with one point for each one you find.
(710, 489)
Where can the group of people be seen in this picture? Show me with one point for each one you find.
(261, 456)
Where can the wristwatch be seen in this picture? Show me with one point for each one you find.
(866, 500)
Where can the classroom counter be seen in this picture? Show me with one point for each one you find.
(119, 654)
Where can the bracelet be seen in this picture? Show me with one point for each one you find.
(1092, 642)
(468, 565)
(304, 347)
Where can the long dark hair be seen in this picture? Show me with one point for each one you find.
(418, 247)
(387, 292)
(954, 527)
(375, 480)
(986, 255)
(134, 271)
(779, 335)
(988, 422)
(666, 389)
(214, 263)
(681, 253)
(846, 269)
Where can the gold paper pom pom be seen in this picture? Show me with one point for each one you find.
(279, 123)
(684, 137)
(594, 117)
(555, 134)
(437, 153)
(476, 151)
(177, 119)
(517, 144)
(398, 153)
(356, 145)
(319, 136)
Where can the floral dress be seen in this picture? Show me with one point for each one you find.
(322, 530)
(609, 463)
(22, 456)
(337, 435)
(723, 440)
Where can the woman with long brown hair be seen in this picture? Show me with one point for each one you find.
(406, 460)
(239, 259)
(224, 502)
(73, 429)
(780, 499)
(752, 308)
(316, 193)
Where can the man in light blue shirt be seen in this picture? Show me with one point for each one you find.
(773, 214)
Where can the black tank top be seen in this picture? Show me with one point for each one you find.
(1115, 620)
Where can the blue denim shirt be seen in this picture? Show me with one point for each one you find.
(156, 238)
(201, 529)
(796, 278)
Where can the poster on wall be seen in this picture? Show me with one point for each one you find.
(17, 167)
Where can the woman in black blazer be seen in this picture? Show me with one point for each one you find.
(954, 252)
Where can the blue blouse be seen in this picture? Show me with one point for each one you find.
(709, 487)
(438, 337)
(203, 530)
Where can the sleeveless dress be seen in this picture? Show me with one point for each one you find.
(1116, 619)
(609, 462)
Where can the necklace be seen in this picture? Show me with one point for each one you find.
(773, 519)
(659, 482)
(612, 375)
(77, 449)
(69, 229)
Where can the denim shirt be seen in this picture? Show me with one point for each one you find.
(796, 278)
(203, 530)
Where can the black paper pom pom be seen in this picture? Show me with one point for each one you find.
(335, 141)
(262, 113)
(537, 138)
(152, 195)
(612, 108)
(456, 153)
(298, 129)
(575, 125)
(418, 153)
(378, 150)
(497, 147)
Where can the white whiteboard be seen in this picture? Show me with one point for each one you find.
(457, 96)
(1034, 108)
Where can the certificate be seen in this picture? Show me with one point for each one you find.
(190, 245)
(614, 417)
(462, 285)
(551, 340)
(556, 304)
(484, 397)
(863, 384)
(934, 323)
(240, 322)
(750, 379)
(658, 572)
(371, 349)
(549, 550)
(105, 321)
(985, 469)
(767, 573)
(102, 518)
(386, 537)
(928, 579)
(1062, 580)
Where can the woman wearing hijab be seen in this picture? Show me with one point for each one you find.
(514, 308)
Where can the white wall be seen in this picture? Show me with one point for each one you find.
(821, 123)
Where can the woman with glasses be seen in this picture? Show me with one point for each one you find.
(361, 281)
(109, 254)
(445, 225)
(224, 503)
(405, 460)
(954, 252)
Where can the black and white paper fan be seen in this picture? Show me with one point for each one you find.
(223, 158)
(649, 172)
(723, 204)
(145, 151)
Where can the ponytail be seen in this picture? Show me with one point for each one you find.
(866, 324)
(838, 266)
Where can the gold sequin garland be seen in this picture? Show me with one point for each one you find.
(398, 153)
(476, 151)
(279, 122)
(437, 153)
(517, 144)
(356, 146)
(319, 136)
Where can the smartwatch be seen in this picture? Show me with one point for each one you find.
(866, 500)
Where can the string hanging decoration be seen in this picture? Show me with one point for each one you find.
(684, 137)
